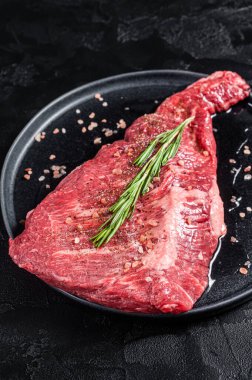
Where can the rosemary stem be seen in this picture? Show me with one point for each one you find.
(151, 164)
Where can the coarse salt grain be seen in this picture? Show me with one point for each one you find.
(52, 157)
(76, 240)
(84, 130)
(27, 177)
(97, 140)
(47, 186)
(246, 151)
(233, 239)
(247, 177)
(56, 131)
(58, 171)
(249, 209)
(108, 133)
(41, 178)
(152, 222)
(242, 214)
(63, 130)
(200, 256)
(28, 170)
(205, 153)
(243, 270)
(77, 111)
(68, 220)
(121, 124)
(79, 228)
(104, 120)
(247, 169)
(80, 121)
(246, 147)
(56, 174)
(135, 264)
(91, 115)
(104, 104)
(148, 279)
(92, 125)
(99, 97)
(126, 108)
(46, 171)
(140, 249)
(38, 137)
(127, 265)
(140, 221)
(55, 167)
(117, 171)
(232, 161)
(181, 162)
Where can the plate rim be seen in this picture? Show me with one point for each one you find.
(207, 310)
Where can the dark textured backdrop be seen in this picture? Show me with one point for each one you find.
(49, 47)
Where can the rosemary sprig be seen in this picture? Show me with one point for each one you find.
(151, 165)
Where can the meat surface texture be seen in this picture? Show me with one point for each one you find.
(158, 261)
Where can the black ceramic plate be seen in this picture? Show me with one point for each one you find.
(127, 97)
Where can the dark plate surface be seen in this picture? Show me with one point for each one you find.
(127, 97)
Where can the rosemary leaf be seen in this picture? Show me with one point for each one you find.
(167, 145)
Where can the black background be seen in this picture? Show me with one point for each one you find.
(47, 48)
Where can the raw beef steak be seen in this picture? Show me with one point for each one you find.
(158, 261)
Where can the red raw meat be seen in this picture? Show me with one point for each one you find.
(159, 260)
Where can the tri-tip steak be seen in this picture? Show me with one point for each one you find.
(158, 261)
